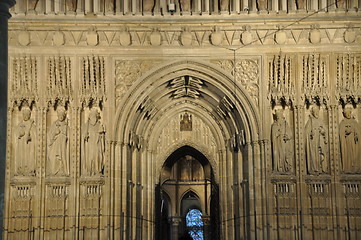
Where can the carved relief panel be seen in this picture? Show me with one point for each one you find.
(128, 71)
(246, 72)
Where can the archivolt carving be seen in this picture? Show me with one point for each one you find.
(315, 78)
(281, 79)
(348, 77)
(128, 71)
(93, 78)
(24, 78)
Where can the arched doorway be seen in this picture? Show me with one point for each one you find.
(187, 183)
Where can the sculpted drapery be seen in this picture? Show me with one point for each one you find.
(25, 145)
(350, 143)
(58, 145)
(282, 144)
(316, 143)
(93, 145)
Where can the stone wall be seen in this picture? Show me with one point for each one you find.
(95, 106)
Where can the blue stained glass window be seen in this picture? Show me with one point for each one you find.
(195, 224)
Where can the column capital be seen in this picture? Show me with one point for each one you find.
(4, 7)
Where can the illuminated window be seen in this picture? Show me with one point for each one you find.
(195, 224)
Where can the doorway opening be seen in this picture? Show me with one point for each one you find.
(187, 202)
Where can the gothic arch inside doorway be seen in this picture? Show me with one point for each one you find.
(187, 184)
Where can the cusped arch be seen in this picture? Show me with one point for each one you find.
(211, 74)
(202, 150)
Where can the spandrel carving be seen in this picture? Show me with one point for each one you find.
(58, 145)
(350, 143)
(25, 145)
(93, 145)
(282, 144)
(316, 143)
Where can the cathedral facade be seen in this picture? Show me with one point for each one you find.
(127, 118)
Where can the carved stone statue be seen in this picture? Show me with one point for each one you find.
(282, 144)
(32, 5)
(148, 5)
(71, 5)
(109, 5)
(25, 145)
(262, 5)
(224, 5)
(93, 145)
(185, 5)
(58, 145)
(316, 143)
(341, 4)
(301, 4)
(350, 143)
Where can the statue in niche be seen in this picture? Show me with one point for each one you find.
(316, 143)
(185, 5)
(224, 5)
(25, 147)
(58, 145)
(93, 145)
(262, 5)
(350, 143)
(148, 5)
(341, 4)
(186, 122)
(301, 4)
(282, 144)
(71, 5)
(109, 5)
(32, 5)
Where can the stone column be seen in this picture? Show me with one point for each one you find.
(4, 16)
(175, 221)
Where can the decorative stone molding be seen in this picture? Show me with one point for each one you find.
(281, 79)
(59, 85)
(315, 84)
(197, 35)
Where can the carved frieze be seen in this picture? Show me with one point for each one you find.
(281, 79)
(177, 35)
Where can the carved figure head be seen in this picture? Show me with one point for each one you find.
(347, 113)
(315, 111)
(93, 116)
(26, 113)
(61, 114)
